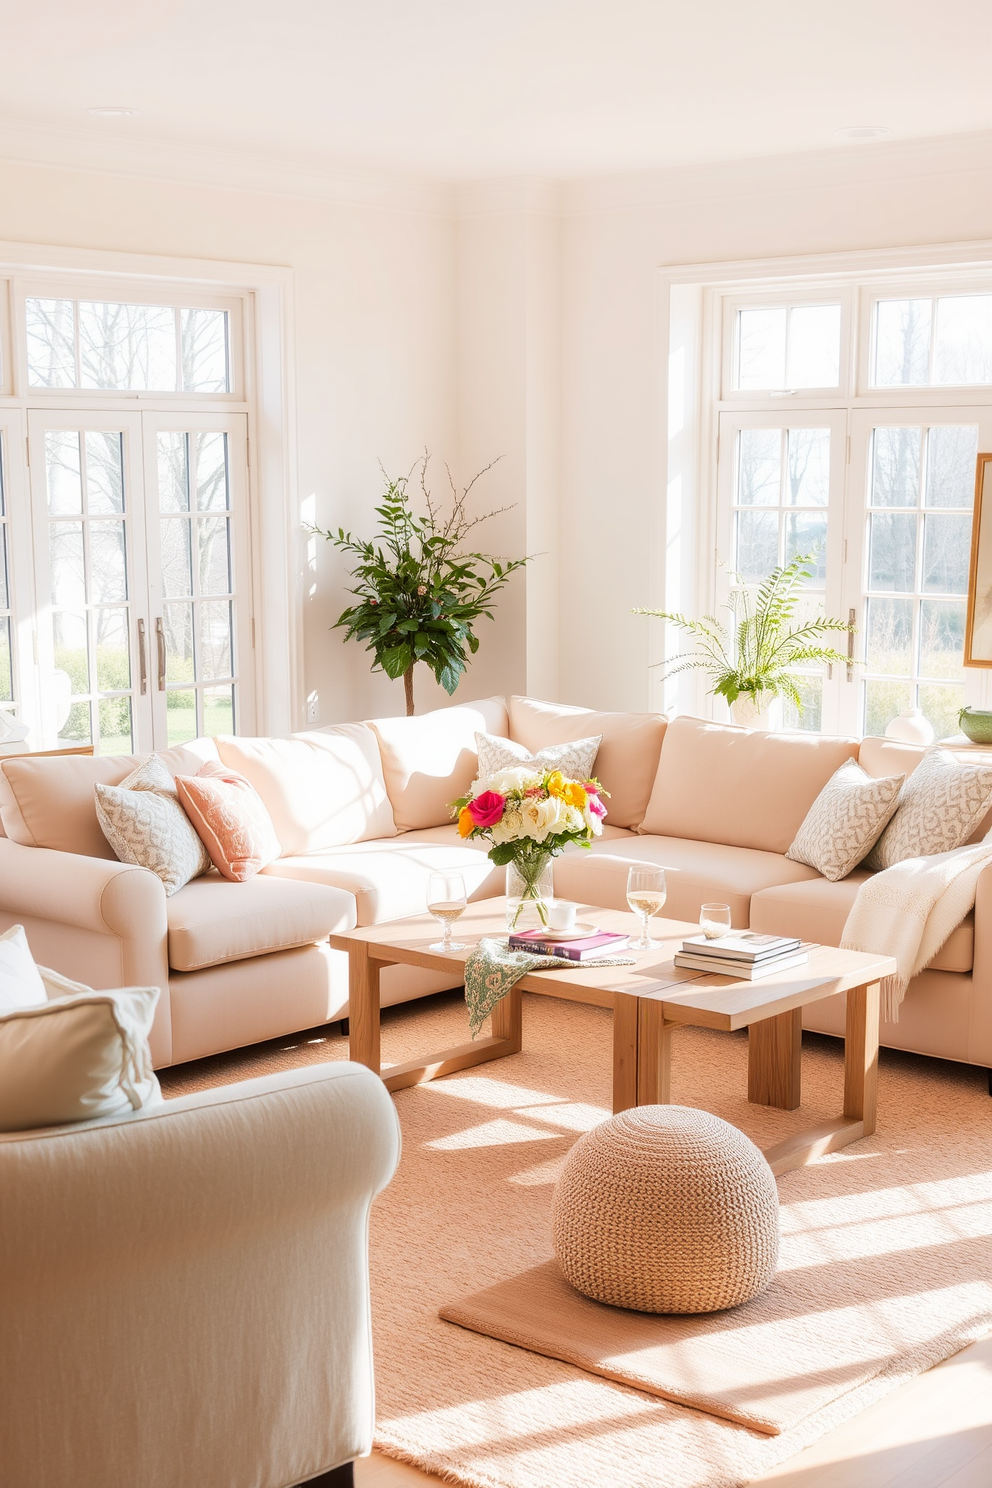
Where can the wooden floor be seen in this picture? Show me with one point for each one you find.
(933, 1432)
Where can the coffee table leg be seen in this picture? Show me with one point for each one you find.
(508, 1021)
(363, 1007)
(654, 1055)
(861, 1055)
(774, 1060)
(625, 1041)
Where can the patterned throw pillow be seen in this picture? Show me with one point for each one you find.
(230, 819)
(144, 823)
(940, 806)
(575, 760)
(845, 821)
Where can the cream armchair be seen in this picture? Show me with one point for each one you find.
(185, 1291)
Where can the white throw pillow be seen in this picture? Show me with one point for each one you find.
(144, 823)
(20, 980)
(845, 821)
(575, 760)
(939, 807)
(79, 1055)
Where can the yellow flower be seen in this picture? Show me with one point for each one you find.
(556, 784)
(466, 826)
(574, 795)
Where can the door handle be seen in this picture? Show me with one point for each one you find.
(852, 615)
(142, 658)
(160, 634)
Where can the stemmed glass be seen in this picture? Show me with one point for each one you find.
(646, 895)
(446, 901)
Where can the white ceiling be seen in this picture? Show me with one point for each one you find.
(463, 89)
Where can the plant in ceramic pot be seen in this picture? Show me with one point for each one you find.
(750, 661)
(419, 593)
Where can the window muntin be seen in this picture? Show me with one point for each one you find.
(780, 347)
(118, 346)
(918, 510)
(931, 341)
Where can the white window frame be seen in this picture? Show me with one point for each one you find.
(262, 342)
(697, 386)
(732, 303)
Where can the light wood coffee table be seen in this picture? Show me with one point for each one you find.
(649, 1000)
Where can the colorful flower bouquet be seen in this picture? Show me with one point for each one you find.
(530, 817)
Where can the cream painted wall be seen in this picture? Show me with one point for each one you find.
(616, 235)
(374, 343)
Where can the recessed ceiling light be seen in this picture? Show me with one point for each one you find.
(863, 132)
(112, 110)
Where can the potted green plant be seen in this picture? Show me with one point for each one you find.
(419, 594)
(750, 660)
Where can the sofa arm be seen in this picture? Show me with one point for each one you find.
(980, 1030)
(185, 1291)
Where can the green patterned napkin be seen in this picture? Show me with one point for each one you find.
(492, 969)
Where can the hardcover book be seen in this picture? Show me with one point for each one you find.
(745, 971)
(741, 945)
(542, 943)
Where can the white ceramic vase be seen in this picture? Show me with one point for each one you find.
(752, 713)
(911, 727)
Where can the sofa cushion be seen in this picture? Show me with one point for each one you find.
(890, 757)
(742, 787)
(145, 824)
(49, 802)
(939, 807)
(846, 820)
(428, 761)
(627, 761)
(695, 872)
(389, 879)
(817, 910)
(212, 920)
(576, 760)
(321, 789)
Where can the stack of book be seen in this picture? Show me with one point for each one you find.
(742, 953)
(588, 948)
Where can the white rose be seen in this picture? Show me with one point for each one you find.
(509, 828)
(541, 819)
(503, 782)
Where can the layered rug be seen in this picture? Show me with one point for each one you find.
(886, 1263)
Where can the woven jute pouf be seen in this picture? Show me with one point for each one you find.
(666, 1209)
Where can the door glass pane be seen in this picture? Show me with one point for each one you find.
(215, 639)
(814, 346)
(71, 649)
(757, 545)
(213, 534)
(68, 564)
(941, 637)
(902, 343)
(180, 709)
(178, 623)
(127, 346)
(109, 568)
(883, 702)
(946, 548)
(6, 671)
(951, 453)
(62, 468)
(212, 493)
(892, 561)
(963, 341)
(173, 472)
(113, 653)
(895, 479)
(77, 728)
(759, 467)
(942, 706)
(218, 710)
(205, 351)
(806, 536)
(809, 467)
(177, 567)
(51, 343)
(114, 718)
(104, 474)
(889, 637)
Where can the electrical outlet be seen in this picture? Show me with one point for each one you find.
(313, 708)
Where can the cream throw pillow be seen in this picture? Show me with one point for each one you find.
(144, 823)
(79, 1055)
(20, 980)
(845, 821)
(574, 760)
(939, 807)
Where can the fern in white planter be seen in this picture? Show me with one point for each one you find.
(750, 660)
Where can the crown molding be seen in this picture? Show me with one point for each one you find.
(97, 151)
(842, 165)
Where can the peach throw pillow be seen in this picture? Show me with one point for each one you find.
(231, 820)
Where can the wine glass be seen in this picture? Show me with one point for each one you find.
(714, 920)
(646, 896)
(446, 901)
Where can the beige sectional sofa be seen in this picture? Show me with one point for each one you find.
(362, 816)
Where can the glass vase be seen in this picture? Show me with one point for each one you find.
(529, 890)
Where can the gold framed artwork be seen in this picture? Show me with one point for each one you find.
(978, 624)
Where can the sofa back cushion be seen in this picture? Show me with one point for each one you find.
(744, 787)
(322, 788)
(428, 761)
(49, 801)
(627, 761)
(880, 757)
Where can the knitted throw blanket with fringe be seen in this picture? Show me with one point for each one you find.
(909, 911)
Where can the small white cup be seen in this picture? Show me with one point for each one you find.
(561, 914)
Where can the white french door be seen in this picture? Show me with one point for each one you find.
(142, 576)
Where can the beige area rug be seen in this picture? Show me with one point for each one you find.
(895, 1232)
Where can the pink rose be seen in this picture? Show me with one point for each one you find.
(596, 807)
(487, 809)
